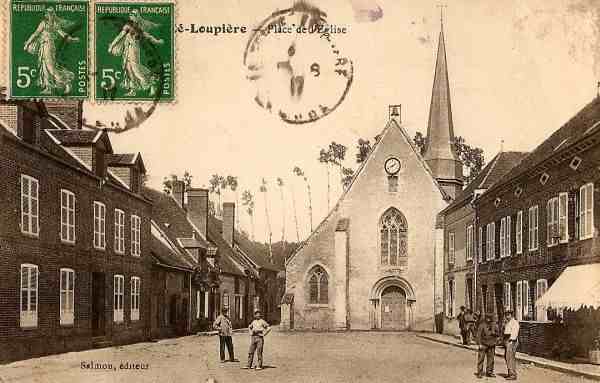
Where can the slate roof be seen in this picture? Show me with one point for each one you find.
(584, 123)
(493, 172)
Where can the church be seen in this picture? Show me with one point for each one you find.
(376, 260)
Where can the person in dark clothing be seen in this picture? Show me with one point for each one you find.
(462, 325)
(487, 338)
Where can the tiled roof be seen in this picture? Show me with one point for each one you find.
(173, 221)
(493, 172)
(75, 137)
(585, 122)
(121, 159)
(167, 253)
(255, 251)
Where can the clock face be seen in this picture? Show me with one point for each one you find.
(392, 166)
(298, 72)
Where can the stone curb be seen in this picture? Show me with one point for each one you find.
(548, 365)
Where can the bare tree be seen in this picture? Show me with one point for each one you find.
(168, 181)
(232, 182)
(325, 157)
(248, 202)
(263, 189)
(281, 184)
(298, 172)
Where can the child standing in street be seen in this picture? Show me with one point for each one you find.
(258, 329)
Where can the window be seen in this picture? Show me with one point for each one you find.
(522, 310)
(29, 295)
(118, 294)
(135, 298)
(206, 304)
(540, 289)
(119, 231)
(67, 216)
(241, 307)
(450, 301)
(99, 225)
(552, 233)
(480, 245)
(507, 296)
(505, 237)
(393, 237)
(136, 223)
(29, 205)
(67, 296)
(469, 243)
(563, 220)
(451, 249)
(491, 241)
(318, 286)
(533, 228)
(586, 211)
(519, 232)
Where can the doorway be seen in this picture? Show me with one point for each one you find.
(393, 308)
(98, 303)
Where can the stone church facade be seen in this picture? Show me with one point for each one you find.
(375, 262)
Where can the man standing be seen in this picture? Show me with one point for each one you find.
(511, 342)
(462, 325)
(223, 325)
(257, 329)
(487, 336)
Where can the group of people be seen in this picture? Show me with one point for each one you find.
(258, 329)
(488, 335)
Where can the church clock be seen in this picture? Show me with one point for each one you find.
(392, 166)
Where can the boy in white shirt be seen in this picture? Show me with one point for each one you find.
(258, 329)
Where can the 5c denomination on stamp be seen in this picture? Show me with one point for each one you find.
(299, 73)
(134, 51)
(48, 49)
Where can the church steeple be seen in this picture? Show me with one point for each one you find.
(440, 152)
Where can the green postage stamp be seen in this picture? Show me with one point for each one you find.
(48, 49)
(134, 51)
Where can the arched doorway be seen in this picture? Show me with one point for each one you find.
(393, 308)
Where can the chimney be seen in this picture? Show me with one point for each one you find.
(197, 208)
(396, 113)
(178, 192)
(229, 222)
(29, 122)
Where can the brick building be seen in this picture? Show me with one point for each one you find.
(74, 235)
(459, 220)
(539, 221)
(375, 262)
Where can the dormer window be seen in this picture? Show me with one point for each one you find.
(575, 162)
(518, 191)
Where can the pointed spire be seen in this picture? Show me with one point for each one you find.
(440, 153)
(440, 129)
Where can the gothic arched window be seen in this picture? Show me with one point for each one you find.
(392, 229)
(318, 286)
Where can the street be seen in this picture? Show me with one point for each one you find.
(289, 357)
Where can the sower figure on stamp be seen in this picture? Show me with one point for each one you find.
(42, 43)
(511, 342)
(223, 325)
(487, 336)
(258, 329)
(136, 76)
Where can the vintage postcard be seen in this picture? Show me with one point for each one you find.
(299, 191)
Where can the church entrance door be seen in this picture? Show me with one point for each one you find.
(393, 308)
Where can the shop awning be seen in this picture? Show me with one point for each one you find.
(577, 286)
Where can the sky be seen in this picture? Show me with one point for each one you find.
(518, 70)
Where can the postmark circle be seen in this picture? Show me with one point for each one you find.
(298, 72)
